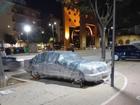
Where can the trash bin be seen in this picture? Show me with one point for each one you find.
(26, 50)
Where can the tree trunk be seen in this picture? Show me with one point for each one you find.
(2, 75)
(104, 44)
(82, 33)
(102, 41)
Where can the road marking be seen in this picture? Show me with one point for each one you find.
(138, 98)
(124, 86)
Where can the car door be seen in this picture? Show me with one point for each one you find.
(51, 67)
(128, 51)
(135, 52)
(65, 71)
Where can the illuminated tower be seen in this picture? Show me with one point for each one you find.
(71, 19)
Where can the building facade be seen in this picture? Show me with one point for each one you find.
(15, 16)
(79, 29)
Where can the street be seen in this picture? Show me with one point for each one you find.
(128, 96)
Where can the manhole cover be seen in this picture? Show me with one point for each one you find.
(138, 98)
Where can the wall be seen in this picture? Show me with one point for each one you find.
(126, 38)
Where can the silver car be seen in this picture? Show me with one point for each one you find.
(66, 65)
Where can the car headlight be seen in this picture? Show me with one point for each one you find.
(102, 68)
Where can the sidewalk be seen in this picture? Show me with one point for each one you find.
(51, 92)
(47, 92)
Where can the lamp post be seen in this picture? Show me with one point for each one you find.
(52, 27)
(113, 43)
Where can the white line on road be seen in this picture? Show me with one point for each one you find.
(124, 86)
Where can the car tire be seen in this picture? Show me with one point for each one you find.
(116, 58)
(79, 79)
(35, 76)
(81, 83)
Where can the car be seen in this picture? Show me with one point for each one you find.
(10, 63)
(66, 65)
(135, 43)
(123, 52)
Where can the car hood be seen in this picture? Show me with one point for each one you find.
(88, 65)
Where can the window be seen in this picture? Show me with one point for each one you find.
(120, 42)
(69, 12)
(127, 41)
(69, 20)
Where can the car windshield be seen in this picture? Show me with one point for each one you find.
(137, 45)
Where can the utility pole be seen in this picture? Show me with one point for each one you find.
(113, 44)
(2, 75)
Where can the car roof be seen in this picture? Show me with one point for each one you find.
(59, 52)
(133, 42)
(124, 45)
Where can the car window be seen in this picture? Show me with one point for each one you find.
(40, 58)
(137, 45)
(52, 56)
(120, 48)
(71, 56)
(66, 58)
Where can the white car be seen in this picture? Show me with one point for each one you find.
(66, 65)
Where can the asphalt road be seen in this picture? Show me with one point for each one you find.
(131, 94)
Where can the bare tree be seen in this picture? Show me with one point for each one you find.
(2, 75)
(103, 10)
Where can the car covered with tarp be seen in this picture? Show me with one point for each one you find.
(66, 65)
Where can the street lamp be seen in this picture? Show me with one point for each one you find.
(42, 32)
(27, 29)
(52, 26)
(113, 43)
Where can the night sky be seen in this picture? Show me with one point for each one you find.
(46, 7)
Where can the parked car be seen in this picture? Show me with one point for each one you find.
(8, 51)
(66, 65)
(135, 43)
(127, 52)
(10, 63)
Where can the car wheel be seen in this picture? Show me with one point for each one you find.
(81, 83)
(35, 76)
(79, 79)
(116, 58)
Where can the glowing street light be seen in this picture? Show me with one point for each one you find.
(52, 26)
(42, 32)
(27, 29)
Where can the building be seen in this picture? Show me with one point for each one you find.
(126, 39)
(79, 29)
(14, 16)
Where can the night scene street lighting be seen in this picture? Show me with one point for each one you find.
(42, 32)
(52, 26)
(27, 29)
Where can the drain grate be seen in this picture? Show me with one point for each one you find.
(138, 98)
